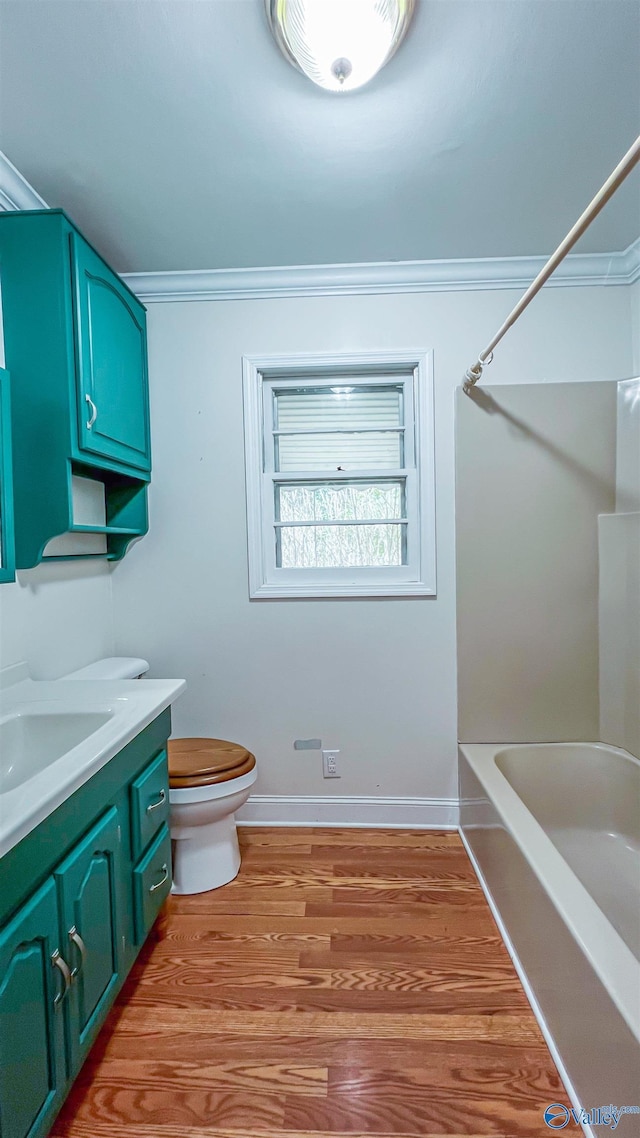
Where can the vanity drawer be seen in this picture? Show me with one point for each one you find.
(149, 803)
(151, 883)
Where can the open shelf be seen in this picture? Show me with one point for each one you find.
(105, 529)
(109, 505)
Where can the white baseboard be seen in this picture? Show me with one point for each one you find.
(349, 811)
(528, 990)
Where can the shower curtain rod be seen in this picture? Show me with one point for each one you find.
(631, 158)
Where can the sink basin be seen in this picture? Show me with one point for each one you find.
(56, 734)
(32, 739)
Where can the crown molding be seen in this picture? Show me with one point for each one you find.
(630, 262)
(15, 191)
(578, 269)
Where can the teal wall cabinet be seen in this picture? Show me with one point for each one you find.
(75, 343)
(113, 401)
(78, 897)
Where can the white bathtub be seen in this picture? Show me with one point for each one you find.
(554, 830)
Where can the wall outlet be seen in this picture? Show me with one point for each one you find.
(330, 764)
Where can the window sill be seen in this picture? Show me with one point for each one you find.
(340, 591)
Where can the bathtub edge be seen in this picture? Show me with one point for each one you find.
(524, 980)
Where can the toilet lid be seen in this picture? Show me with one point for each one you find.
(200, 762)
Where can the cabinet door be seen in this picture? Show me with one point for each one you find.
(111, 360)
(32, 988)
(88, 891)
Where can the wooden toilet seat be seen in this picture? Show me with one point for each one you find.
(201, 762)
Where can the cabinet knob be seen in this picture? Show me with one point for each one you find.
(59, 962)
(93, 412)
(76, 939)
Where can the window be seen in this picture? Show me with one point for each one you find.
(340, 486)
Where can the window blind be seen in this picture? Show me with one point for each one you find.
(339, 428)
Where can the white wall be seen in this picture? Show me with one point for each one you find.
(375, 678)
(535, 467)
(619, 594)
(56, 617)
(634, 300)
(619, 618)
(628, 447)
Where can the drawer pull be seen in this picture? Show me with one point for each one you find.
(165, 875)
(75, 938)
(59, 962)
(161, 801)
(93, 412)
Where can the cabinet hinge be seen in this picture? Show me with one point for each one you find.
(124, 943)
(119, 834)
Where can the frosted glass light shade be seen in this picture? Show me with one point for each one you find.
(339, 44)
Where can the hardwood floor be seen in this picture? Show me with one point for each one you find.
(348, 982)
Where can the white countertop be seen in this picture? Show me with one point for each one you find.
(130, 704)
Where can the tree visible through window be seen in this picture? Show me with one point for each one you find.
(341, 482)
(336, 545)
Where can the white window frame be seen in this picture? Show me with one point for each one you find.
(415, 579)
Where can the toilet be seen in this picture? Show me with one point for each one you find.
(209, 779)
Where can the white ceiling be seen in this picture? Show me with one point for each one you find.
(177, 137)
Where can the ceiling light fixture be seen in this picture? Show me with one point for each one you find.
(339, 44)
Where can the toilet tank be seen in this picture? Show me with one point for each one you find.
(111, 668)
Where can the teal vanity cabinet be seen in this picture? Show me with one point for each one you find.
(32, 1046)
(75, 343)
(7, 554)
(87, 882)
(78, 896)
